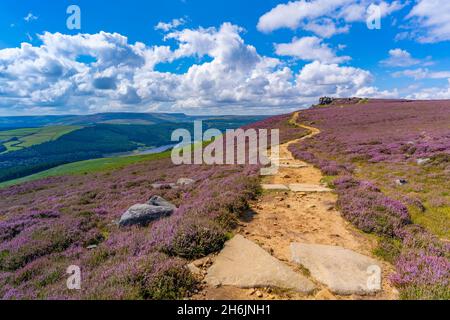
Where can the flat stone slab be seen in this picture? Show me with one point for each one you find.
(244, 264)
(275, 187)
(269, 171)
(301, 187)
(343, 271)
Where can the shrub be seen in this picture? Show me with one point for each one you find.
(160, 277)
(368, 209)
(190, 237)
(422, 276)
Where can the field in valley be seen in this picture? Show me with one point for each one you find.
(18, 139)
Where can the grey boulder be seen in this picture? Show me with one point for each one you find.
(142, 214)
(161, 202)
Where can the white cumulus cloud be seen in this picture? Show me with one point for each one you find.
(422, 73)
(323, 17)
(432, 21)
(400, 58)
(105, 72)
(167, 26)
(310, 49)
(30, 17)
(318, 78)
(433, 93)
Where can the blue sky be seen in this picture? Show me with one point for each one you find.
(198, 56)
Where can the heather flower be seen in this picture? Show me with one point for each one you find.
(421, 275)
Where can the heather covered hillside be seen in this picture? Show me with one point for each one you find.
(392, 160)
(49, 224)
(388, 162)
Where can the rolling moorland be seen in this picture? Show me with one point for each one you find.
(388, 162)
(27, 151)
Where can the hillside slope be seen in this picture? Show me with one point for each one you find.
(49, 224)
(387, 160)
(393, 163)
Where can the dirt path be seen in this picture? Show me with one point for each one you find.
(280, 218)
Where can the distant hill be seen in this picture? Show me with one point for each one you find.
(25, 151)
(109, 118)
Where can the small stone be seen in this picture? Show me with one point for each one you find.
(259, 294)
(200, 262)
(325, 294)
(163, 186)
(194, 269)
(208, 262)
(185, 182)
(421, 162)
(401, 182)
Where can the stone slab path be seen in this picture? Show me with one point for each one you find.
(275, 187)
(244, 264)
(297, 210)
(343, 271)
(304, 187)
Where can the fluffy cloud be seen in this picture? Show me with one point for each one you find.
(400, 58)
(432, 93)
(309, 48)
(330, 79)
(323, 17)
(422, 73)
(30, 17)
(104, 72)
(167, 26)
(432, 21)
